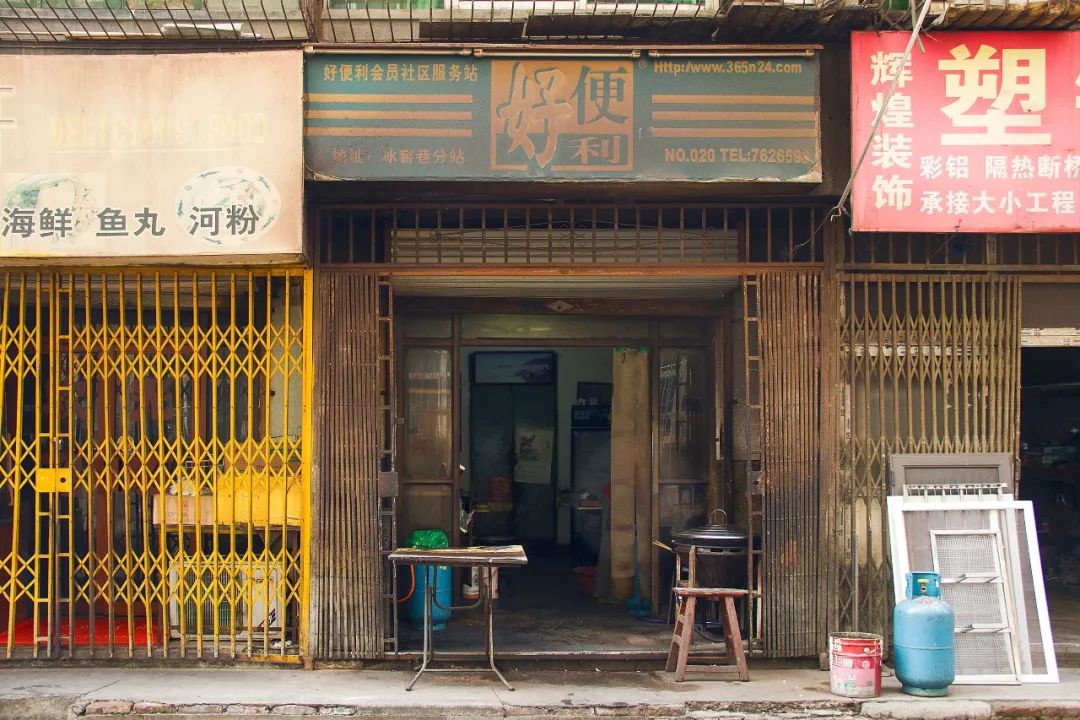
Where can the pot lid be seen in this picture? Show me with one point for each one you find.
(713, 534)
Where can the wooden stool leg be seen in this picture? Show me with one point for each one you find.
(689, 605)
(673, 653)
(733, 638)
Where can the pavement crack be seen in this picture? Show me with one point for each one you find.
(99, 689)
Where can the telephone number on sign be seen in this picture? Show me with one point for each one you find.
(745, 155)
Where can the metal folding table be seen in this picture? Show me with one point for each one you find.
(488, 559)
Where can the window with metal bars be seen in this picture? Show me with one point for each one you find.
(921, 251)
(537, 235)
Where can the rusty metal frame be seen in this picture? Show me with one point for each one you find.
(354, 380)
(791, 355)
(587, 239)
(406, 25)
(753, 488)
(1029, 253)
(986, 14)
(504, 21)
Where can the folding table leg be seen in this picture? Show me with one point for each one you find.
(489, 611)
(429, 652)
(673, 652)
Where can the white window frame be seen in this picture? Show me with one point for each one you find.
(899, 506)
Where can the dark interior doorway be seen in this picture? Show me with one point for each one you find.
(511, 435)
(1050, 478)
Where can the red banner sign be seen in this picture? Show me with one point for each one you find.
(981, 135)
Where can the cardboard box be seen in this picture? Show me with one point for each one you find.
(238, 500)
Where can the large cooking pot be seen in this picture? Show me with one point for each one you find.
(721, 554)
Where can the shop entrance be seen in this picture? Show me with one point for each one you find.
(407, 295)
(582, 436)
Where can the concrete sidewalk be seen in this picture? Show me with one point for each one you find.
(167, 694)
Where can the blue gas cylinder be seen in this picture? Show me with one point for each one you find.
(438, 576)
(923, 638)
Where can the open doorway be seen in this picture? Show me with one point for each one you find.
(582, 438)
(1050, 478)
(537, 433)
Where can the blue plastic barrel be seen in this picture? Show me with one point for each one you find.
(439, 576)
(924, 638)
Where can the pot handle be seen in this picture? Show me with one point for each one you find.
(722, 512)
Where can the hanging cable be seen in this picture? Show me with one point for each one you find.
(412, 586)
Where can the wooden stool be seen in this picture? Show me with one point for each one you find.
(683, 637)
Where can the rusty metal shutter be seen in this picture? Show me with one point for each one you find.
(791, 401)
(353, 382)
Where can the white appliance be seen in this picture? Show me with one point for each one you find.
(240, 594)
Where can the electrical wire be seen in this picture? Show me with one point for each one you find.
(412, 586)
(838, 209)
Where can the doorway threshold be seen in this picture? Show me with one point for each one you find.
(584, 654)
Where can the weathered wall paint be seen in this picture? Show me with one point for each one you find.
(552, 118)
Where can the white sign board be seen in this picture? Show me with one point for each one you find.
(177, 156)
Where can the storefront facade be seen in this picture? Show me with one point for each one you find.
(156, 321)
(234, 377)
(838, 349)
(497, 265)
(948, 285)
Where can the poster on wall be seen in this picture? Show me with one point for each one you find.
(164, 155)
(982, 132)
(533, 448)
(513, 368)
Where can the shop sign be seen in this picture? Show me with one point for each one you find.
(477, 118)
(172, 156)
(982, 133)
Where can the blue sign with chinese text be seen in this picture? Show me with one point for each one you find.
(745, 119)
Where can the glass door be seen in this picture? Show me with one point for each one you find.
(426, 458)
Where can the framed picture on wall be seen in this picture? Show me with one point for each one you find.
(513, 368)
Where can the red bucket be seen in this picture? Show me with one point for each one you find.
(855, 664)
(586, 580)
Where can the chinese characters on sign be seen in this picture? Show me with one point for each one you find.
(150, 162)
(563, 115)
(378, 72)
(236, 221)
(558, 118)
(970, 140)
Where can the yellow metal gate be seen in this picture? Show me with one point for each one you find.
(153, 463)
(929, 364)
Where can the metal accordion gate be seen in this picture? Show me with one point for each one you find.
(929, 363)
(153, 453)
